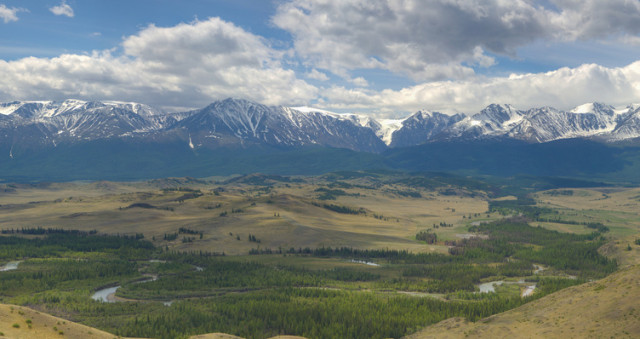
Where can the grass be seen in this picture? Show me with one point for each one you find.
(599, 309)
(24, 322)
(282, 214)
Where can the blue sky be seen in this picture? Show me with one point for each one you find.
(100, 24)
(386, 56)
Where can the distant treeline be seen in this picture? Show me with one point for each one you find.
(593, 225)
(41, 230)
(332, 194)
(342, 209)
(428, 237)
(507, 239)
(523, 205)
(53, 244)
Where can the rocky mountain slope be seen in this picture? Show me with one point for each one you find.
(38, 124)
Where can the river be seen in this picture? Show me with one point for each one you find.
(13, 265)
(490, 287)
(364, 262)
(108, 295)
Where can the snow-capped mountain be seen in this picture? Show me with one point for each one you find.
(36, 124)
(231, 121)
(494, 120)
(48, 109)
(547, 124)
(544, 124)
(421, 126)
(628, 123)
(49, 123)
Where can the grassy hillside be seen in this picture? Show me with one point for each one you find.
(606, 308)
(35, 324)
(279, 211)
(17, 322)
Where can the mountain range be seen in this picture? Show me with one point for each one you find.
(25, 125)
(36, 136)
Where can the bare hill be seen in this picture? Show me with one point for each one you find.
(18, 322)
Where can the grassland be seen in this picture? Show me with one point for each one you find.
(184, 217)
(279, 213)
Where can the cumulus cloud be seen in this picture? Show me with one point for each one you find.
(437, 43)
(9, 14)
(62, 9)
(595, 19)
(441, 39)
(426, 40)
(360, 82)
(563, 88)
(186, 65)
(317, 75)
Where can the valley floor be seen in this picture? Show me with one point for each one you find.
(389, 241)
(599, 309)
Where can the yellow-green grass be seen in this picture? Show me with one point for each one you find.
(18, 322)
(284, 217)
(606, 308)
(290, 214)
(605, 199)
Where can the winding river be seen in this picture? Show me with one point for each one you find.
(108, 294)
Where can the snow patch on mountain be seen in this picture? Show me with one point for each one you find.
(7, 108)
(584, 108)
(383, 128)
(236, 121)
(387, 128)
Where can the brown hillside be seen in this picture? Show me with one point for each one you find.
(43, 326)
(606, 308)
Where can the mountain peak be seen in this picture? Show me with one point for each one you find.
(593, 108)
(243, 122)
(499, 114)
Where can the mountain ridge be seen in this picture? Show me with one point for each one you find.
(33, 124)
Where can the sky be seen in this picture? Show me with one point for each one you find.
(382, 57)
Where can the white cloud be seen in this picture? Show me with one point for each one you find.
(9, 14)
(317, 75)
(595, 19)
(431, 40)
(186, 65)
(359, 81)
(62, 9)
(563, 88)
(426, 40)
(442, 41)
